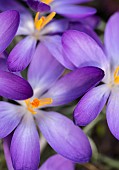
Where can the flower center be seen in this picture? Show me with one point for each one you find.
(37, 103)
(47, 1)
(40, 23)
(116, 75)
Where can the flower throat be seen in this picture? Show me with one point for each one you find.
(37, 103)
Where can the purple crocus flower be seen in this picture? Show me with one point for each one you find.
(67, 8)
(82, 50)
(57, 162)
(34, 30)
(50, 89)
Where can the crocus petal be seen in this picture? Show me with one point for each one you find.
(112, 39)
(112, 114)
(91, 21)
(54, 45)
(38, 6)
(91, 105)
(25, 149)
(57, 162)
(73, 11)
(41, 78)
(3, 61)
(10, 116)
(9, 21)
(74, 85)
(64, 137)
(21, 55)
(26, 25)
(82, 50)
(14, 87)
(6, 146)
(84, 28)
(55, 27)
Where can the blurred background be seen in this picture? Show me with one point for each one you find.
(105, 146)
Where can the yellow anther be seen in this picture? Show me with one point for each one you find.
(40, 23)
(47, 1)
(37, 103)
(116, 75)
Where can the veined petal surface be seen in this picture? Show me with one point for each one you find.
(10, 116)
(44, 70)
(74, 85)
(64, 137)
(25, 149)
(21, 55)
(91, 105)
(9, 21)
(14, 87)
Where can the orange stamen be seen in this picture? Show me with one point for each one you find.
(116, 75)
(37, 103)
(40, 23)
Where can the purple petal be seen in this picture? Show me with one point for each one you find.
(6, 146)
(3, 61)
(10, 116)
(74, 85)
(112, 39)
(26, 25)
(112, 114)
(38, 6)
(73, 11)
(64, 137)
(82, 50)
(14, 87)
(91, 105)
(41, 78)
(55, 27)
(25, 149)
(57, 162)
(9, 21)
(54, 45)
(91, 21)
(21, 55)
(86, 29)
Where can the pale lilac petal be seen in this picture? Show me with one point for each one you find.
(25, 149)
(82, 50)
(26, 26)
(14, 87)
(64, 137)
(10, 116)
(21, 55)
(112, 39)
(9, 22)
(74, 85)
(86, 29)
(91, 105)
(6, 146)
(57, 162)
(73, 11)
(56, 26)
(54, 45)
(112, 113)
(44, 70)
